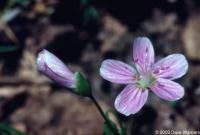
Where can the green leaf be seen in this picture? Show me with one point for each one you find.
(21, 1)
(122, 130)
(107, 130)
(7, 130)
(84, 2)
(83, 87)
(8, 48)
(91, 12)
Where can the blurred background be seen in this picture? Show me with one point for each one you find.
(83, 33)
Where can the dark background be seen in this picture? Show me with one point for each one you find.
(83, 33)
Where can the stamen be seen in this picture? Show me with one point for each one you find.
(136, 77)
(165, 67)
(160, 69)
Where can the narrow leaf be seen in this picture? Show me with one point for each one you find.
(8, 48)
(7, 130)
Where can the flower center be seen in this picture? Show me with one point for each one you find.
(146, 80)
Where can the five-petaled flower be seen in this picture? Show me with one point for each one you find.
(145, 75)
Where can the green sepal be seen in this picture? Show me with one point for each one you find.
(82, 86)
(172, 103)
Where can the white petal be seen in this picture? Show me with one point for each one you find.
(168, 90)
(143, 53)
(117, 72)
(171, 67)
(131, 100)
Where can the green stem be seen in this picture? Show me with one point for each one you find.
(104, 116)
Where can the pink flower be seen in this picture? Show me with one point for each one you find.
(55, 69)
(145, 76)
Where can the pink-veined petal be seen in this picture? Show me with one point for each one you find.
(143, 53)
(167, 89)
(131, 100)
(117, 72)
(171, 67)
(55, 69)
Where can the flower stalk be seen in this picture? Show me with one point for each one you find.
(107, 121)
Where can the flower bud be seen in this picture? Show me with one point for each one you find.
(55, 69)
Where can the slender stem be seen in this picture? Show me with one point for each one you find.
(104, 116)
(99, 108)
